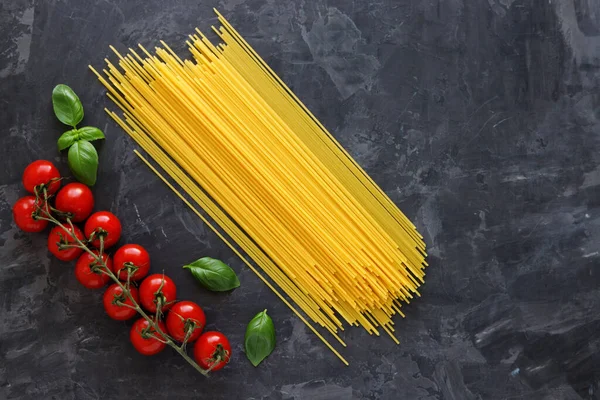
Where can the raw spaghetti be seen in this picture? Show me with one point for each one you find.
(236, 139)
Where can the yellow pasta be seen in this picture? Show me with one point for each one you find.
(235, 138)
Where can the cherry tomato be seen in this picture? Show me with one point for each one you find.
(75, 199)
(103, 223)
(41, 172)
(25, 214)
(157, 288)
(212, 349)
(184, 316)
(134, 256)
(58, 236)
(114, 294)
(87, 276)
(141, 336)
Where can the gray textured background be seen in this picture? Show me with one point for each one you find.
(479, 118)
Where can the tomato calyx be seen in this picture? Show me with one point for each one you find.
(218, 356)
(44, 188)
(42, 206)
(119, 299)
(64, 243)
(150, 333)
(98, 233)
(38, 213)
(131, 269)
(62, 214)
(189, 326)
(97, 267)
(43, 209)
(160, 299)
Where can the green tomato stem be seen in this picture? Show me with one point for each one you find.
(98, 257)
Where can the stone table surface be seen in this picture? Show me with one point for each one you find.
(480, 119)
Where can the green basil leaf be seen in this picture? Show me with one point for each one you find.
(83, 161)
(67, 139)
(90, 133)
(67, 107)
(259, 340)
(213, 274)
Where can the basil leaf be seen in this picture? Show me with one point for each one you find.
(213, 274)
(90, 133)
(66, 104)
(67, 139)
(259, 340)
(83, 161)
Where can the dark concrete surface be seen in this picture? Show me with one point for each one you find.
(479, 118)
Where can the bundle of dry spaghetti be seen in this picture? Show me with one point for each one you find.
(231, 134)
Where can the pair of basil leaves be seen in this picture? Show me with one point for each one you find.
(82, 156)
(217, 276)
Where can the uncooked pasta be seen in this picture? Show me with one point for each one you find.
(229, 132)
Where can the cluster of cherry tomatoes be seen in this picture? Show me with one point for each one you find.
(184, 320)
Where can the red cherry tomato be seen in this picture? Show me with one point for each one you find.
(25, 214)
(87, 276)
(134, 256)
(103, 223)
(75, 199)
(58, 236)
(185, 316)
(114, 294)
(41, 172)
(157, 288)
(144, 339)
(212, 349)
